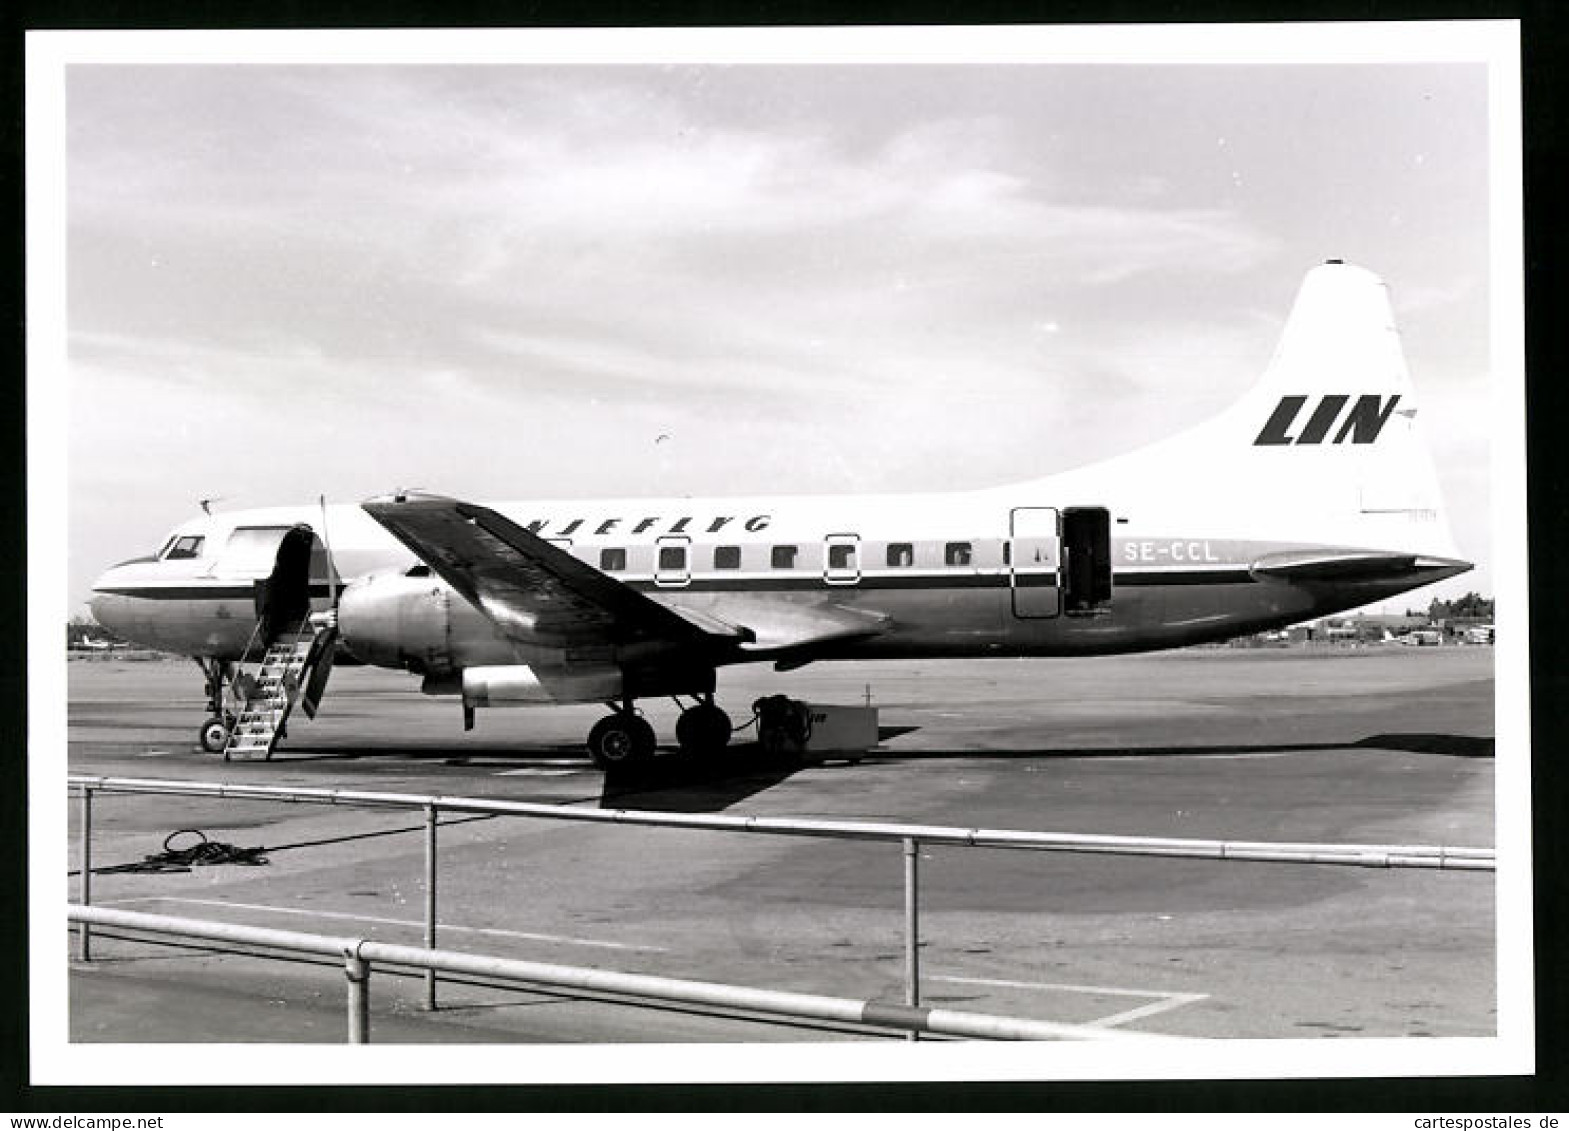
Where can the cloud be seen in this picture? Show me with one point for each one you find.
(388, 273)
(394, 218)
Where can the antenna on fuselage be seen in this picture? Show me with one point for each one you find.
(205, 504)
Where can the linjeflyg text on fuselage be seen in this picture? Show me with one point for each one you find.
(650, 525)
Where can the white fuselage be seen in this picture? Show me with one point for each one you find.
(955, 574)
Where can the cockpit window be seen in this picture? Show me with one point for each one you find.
(189, 546)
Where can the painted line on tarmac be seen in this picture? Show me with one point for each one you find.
(537, 772)
(1167, 999)
(1172, 1001)
(351, 917)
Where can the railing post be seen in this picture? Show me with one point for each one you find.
(356, 972)
(430, 902)
(85, 887)
(912, 938)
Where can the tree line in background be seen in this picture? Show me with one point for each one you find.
(1473, 606)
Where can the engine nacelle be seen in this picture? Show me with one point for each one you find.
(421, 624)
(518, 685)
(395, 621)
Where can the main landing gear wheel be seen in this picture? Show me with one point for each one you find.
(621, 739)
(703, 729)
(215, 733)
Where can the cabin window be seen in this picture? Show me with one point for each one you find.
(727, 557)
(189, 546)
(672, 557)
(901, 554)
(957, 554)
(613, 559)
(783, 557)
(841, 557)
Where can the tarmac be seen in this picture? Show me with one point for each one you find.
(1366, 745)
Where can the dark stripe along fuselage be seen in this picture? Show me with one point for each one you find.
(959, 613)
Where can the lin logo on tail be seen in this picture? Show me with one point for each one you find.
(1363, 423)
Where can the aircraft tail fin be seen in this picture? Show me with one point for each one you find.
(1335, 419)
(1328, 441)
(1338, 375)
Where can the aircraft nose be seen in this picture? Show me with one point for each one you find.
(108, 607)
(98, 604)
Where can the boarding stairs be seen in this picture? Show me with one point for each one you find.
(267, 697)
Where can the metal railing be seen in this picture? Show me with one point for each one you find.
(911, 839)
(358, 956)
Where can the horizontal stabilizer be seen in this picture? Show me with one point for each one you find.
(1348, 565)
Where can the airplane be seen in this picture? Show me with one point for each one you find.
(1310, 495)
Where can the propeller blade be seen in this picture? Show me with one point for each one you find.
(320, 670)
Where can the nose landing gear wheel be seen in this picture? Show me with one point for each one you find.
(704, 729)
(621, 739)
(215, 733)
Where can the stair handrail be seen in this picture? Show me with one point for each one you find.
(298, 635)
(293, 636)
(239, 665)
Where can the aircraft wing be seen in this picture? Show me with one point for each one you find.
(775, 629)
(534, 592)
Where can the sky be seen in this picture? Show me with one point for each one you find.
(515, 281)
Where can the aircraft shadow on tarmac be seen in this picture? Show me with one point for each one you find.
(538, 756)
(1451, 745)
(677, 784)
(744, 757)
(1447, 745)
(684, 785)
(669, 783)
(702, 785)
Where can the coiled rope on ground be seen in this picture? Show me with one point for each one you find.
(203, 852)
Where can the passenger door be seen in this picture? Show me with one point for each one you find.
(842, 559)
(1033, 553)
(672, 561)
